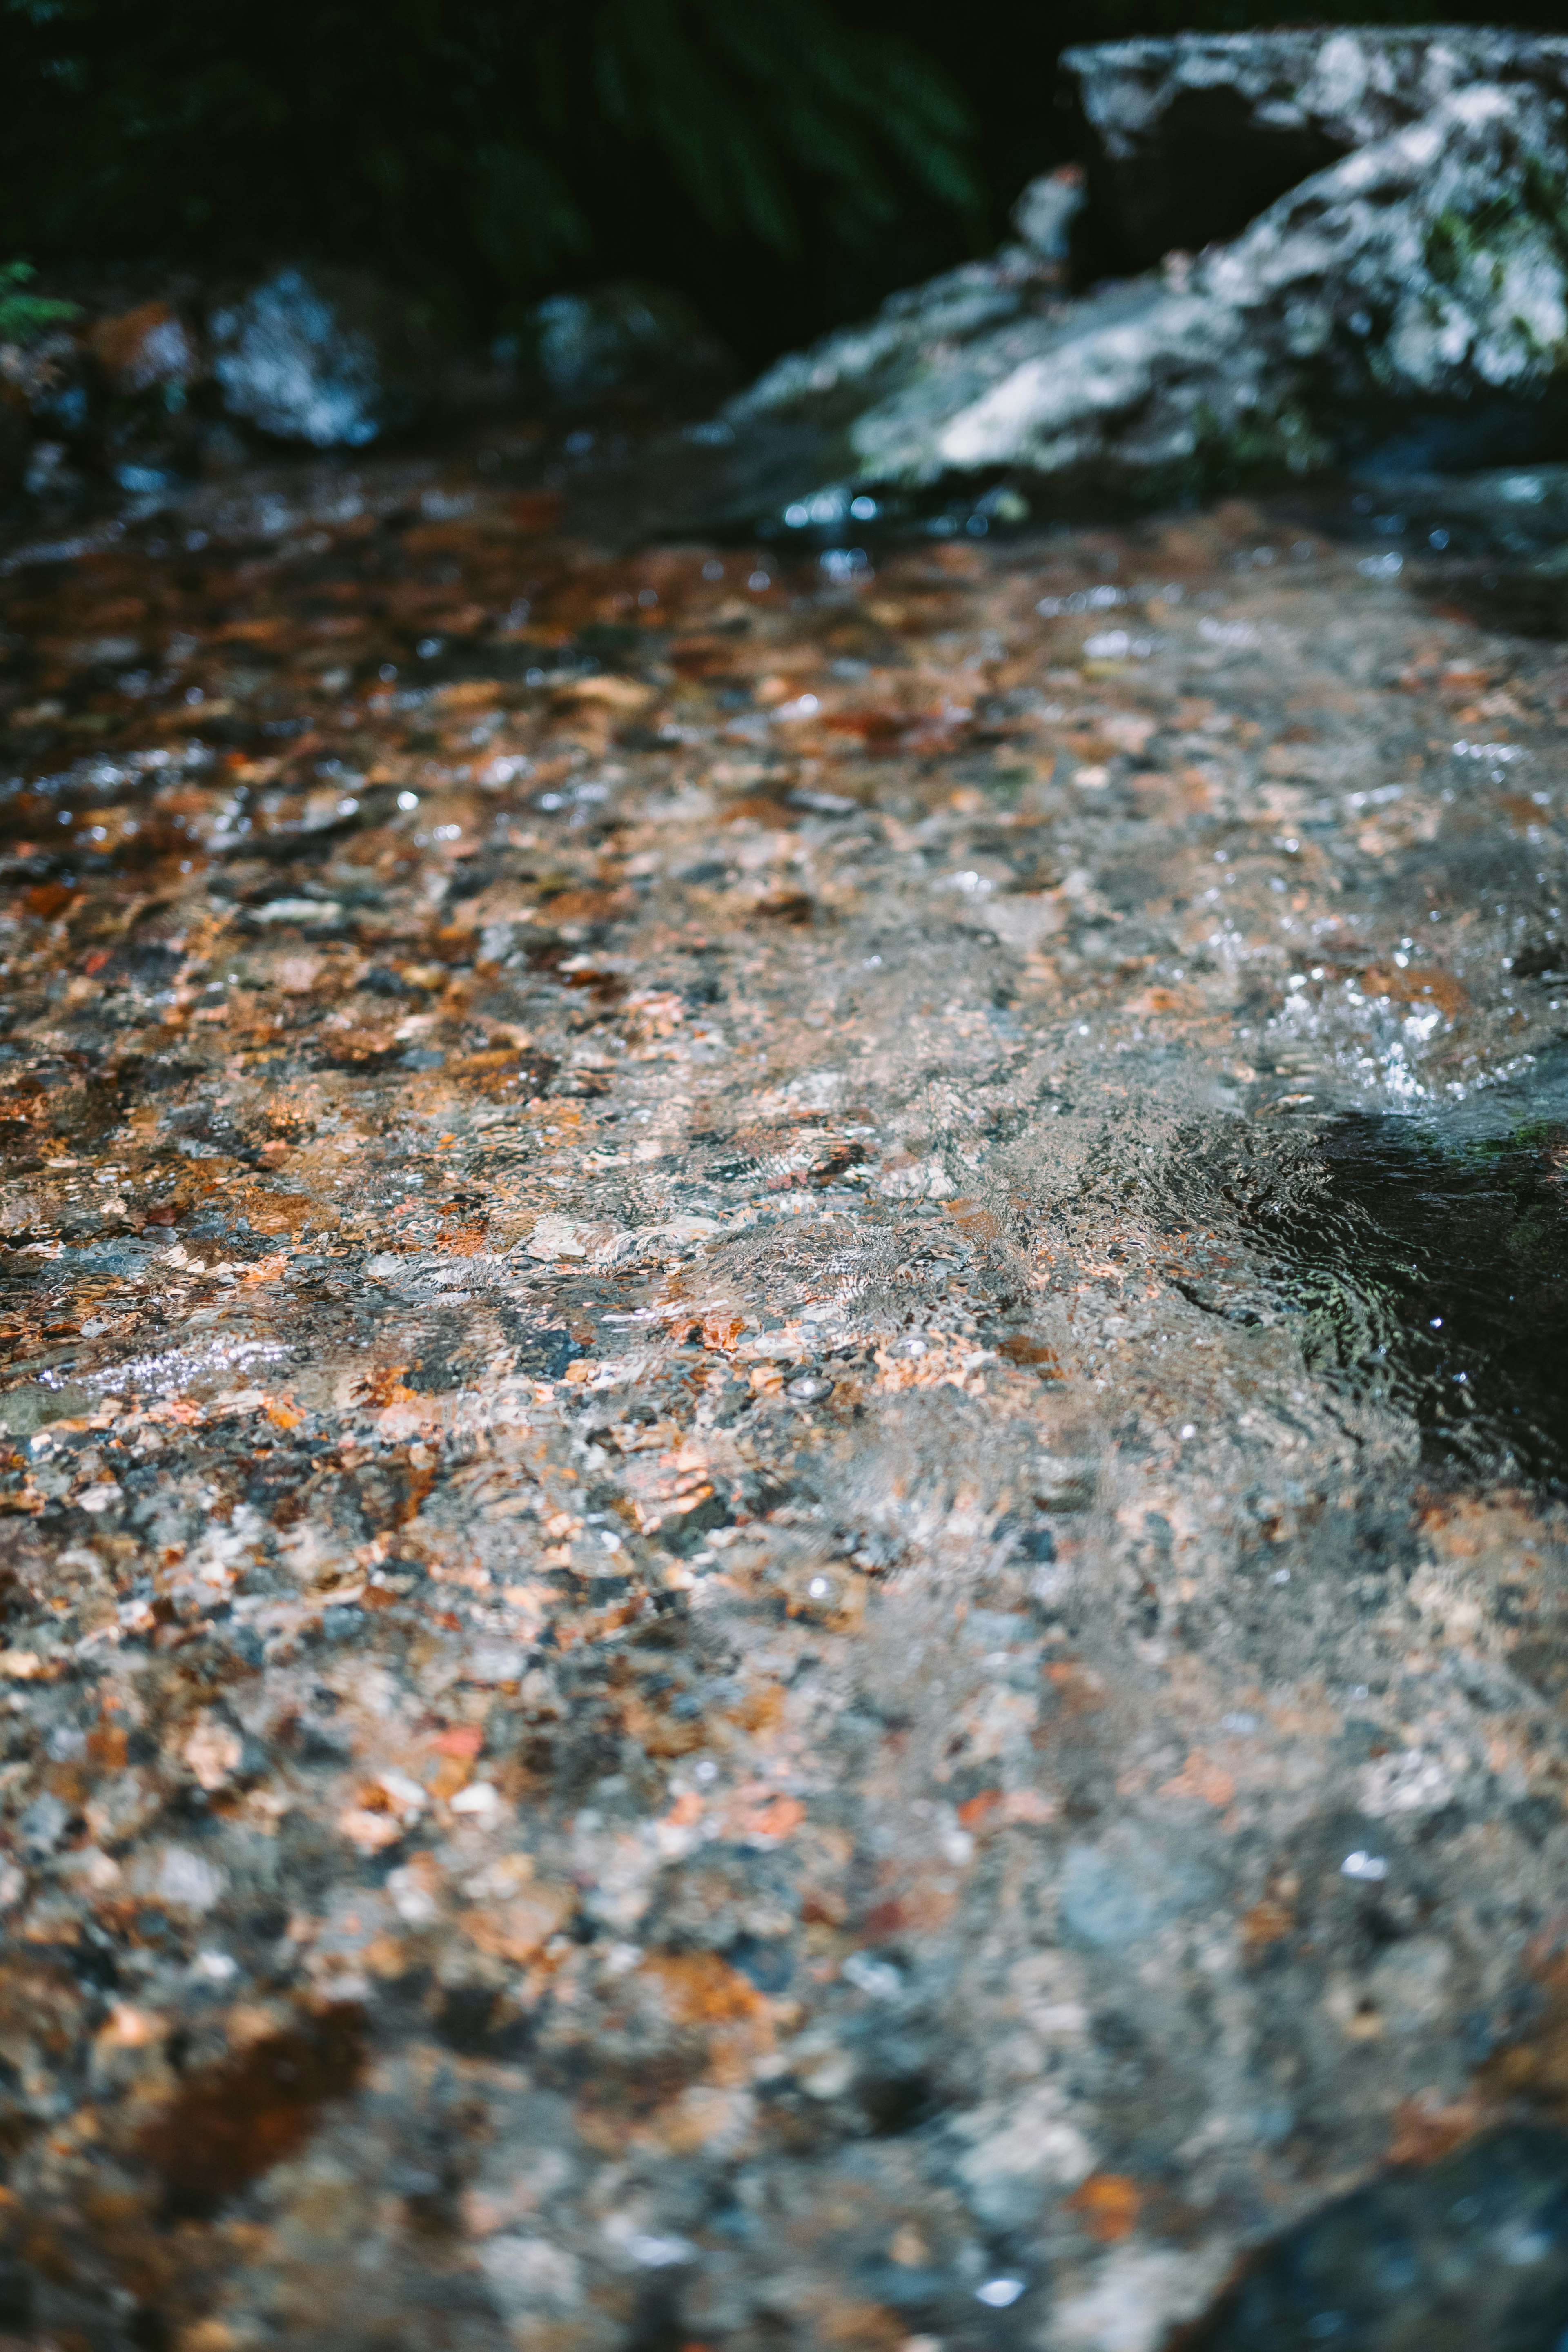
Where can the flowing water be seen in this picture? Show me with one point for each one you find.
(783, 1427)
(1430, 1271)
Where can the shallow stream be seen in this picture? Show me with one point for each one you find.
(1430, 1273)
(784, 1409)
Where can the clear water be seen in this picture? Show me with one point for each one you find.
(1430, 1271)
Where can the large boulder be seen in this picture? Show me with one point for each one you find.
(1411, 302)
(1190, 138)
(1407, 306)
(792, 434)
(963, 310)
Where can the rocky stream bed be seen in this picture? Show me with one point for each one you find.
(785, 1426)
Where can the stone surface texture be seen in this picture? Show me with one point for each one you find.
(1192, 136)
(1406, 303)
(322, 355)
(695, 1655)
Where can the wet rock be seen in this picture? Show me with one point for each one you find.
(616, 337)
(1507, 525)
(1046, 212)
(149, 348)
(1407, 306)
(48, 375)
(664, 1566)
(1417, 296)
(326, 356)
(1191, 138)
(1116, 1895)
(239, 2118)
(143, 367)
(111, 393)
(801, 424)
(38, 367)
(162, 379)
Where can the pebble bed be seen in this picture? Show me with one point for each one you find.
(694, 1659)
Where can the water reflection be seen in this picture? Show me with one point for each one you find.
(1431, 1272)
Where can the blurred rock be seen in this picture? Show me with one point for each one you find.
(1157, 115)
(1121, 1891)
(1503, 533)
(1407, 306)
(147, 349)
(1414, 296)
(794, 436)
(326, 356)
(616, 337)
(109, 392)
(220, 449)
(1045, 214)
(48, 472)
(49, 375)
(140, 367)
(956, 313)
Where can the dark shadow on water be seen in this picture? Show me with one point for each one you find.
(1469, 2255)
(1429, 1271)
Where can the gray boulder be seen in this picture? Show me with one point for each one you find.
(1405, 307)
(792, 434)
(322, 355)
(965, 310)
(1191, 138)
(1416, 297)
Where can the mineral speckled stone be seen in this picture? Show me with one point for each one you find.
(783, 1541)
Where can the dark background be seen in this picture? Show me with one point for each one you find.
(467, 149)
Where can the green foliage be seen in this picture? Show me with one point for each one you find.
(24, 316)
(491, 142)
